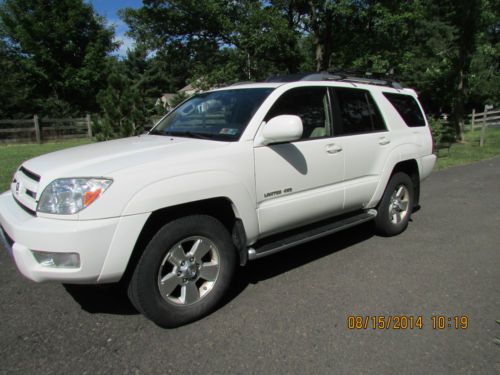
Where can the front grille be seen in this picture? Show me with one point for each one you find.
(25, 208)
(24, 189)
(30, 174)
(32, 194)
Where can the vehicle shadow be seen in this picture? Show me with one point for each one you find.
(102, 299)
(112, 298)
(274, 265)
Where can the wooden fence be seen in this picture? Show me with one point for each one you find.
(482, 120)
(42, 129)
(489, 118)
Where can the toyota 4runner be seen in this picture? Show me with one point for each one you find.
(228, 176)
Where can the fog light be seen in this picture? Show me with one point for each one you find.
(57, 260)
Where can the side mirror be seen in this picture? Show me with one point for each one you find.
(284, 128)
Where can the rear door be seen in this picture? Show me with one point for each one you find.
(366, 142)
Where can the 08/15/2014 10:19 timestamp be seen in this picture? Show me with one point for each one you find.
(399, 322)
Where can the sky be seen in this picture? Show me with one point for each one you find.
(109, 10)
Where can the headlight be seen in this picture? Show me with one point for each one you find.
(68, 196)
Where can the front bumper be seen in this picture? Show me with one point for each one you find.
(91, 239)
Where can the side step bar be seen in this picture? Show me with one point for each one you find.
(309, 235)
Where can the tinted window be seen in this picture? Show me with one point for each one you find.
(407, 108)
(218, 115)
(311, 104)
(357, 111)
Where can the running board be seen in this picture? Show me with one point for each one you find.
(309, 235)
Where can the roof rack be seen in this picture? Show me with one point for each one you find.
(337, 76)
(241, 83)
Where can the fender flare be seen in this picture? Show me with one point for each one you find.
(188, 188)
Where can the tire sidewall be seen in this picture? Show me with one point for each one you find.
(383, 222)
(145, 278)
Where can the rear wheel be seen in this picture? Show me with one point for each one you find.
(184, 271)
(394, 210)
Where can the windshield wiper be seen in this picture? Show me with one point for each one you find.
(156, 132)
(190, 134)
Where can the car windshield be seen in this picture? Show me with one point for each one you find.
(218, 115)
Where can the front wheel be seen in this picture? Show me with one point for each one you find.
(396, 206)
(184, 271)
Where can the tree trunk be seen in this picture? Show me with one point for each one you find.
(458, 111)
(321, 27)
(323, 54)
(467, 13)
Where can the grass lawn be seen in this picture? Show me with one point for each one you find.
(469, 151)
(12, 155)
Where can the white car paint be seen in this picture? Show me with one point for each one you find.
(317, 179)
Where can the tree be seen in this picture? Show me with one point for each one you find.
(14, 90)
(235, 40)
(62, 46)
(122, 106)
(466, 19)
(484, 79)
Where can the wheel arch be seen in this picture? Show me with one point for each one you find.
(221, 208)
(408, 166)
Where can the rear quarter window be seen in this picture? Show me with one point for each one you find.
(407, 108)
(357, 112)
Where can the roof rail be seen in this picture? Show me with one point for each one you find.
(319, 76)
(337, 76)
(241, 83)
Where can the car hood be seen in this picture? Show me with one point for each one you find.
(105, 158)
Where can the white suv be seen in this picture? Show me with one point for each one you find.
(228, 176)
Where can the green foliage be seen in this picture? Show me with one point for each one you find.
(447, 50)
(425, 43)
(59, 47)
(442, 131)
(14, 90)
(469, 151)
(121, 104)
(178, 99)
(220, 41)
(14, 154)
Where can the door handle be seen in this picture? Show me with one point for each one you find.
(384, 141)
(332, 148)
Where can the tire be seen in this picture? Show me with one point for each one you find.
(184, 272)
(395, 208)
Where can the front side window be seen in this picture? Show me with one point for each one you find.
(357, 111)
(311, 104)
(218, 115)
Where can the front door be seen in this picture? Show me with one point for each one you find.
(300, 182)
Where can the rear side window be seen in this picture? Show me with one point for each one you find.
(407, 108)
(357, 111)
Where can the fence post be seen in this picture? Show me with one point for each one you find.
(483, 127)
(37, 129)
(89, 125)
(473, 119)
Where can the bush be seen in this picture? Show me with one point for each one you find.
(442, 131)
